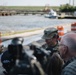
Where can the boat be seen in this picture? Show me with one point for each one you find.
(51, 14)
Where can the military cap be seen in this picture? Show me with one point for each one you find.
(49, 33)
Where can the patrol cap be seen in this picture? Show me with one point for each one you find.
(49, 33)
(17, 40)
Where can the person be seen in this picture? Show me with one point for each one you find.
(67, 49)
(51, 38)
(19, 61)
(8, 56)
(54, 62)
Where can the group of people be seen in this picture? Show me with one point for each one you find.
(59, 58)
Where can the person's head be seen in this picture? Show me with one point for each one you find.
(50, 36)
(67, 46)
(15, 48)
(55, 64)
(17, 41)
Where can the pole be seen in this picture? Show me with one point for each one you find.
(73, 2)
(69, 2)
(0, 39)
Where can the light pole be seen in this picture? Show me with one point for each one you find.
(73, 2)
(69, 2)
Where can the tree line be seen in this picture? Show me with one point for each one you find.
(67, 8)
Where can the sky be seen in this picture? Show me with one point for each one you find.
(35, 2)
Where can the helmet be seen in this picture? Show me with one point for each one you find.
(16, 47)
(17, 40)
(50, 33)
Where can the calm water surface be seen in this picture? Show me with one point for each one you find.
(21, 22)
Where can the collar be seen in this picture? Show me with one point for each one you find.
(69, 61)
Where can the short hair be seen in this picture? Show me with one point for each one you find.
(69, 40)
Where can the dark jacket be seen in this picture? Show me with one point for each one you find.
(70, 67)
(7, 60)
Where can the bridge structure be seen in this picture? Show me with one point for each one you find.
(7, 13)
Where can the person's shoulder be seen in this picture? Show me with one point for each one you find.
(5, 54)
(72, 64)
(70, 69)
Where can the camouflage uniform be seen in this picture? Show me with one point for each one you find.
(50, 33)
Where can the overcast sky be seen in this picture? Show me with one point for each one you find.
(35, 2)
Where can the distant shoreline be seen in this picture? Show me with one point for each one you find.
(27, 7)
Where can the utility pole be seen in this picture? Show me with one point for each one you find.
(69, 2)
(73, 2)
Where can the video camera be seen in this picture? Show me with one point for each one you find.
(39, 50)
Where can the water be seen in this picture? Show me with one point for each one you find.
(15, 23)
(27, 22)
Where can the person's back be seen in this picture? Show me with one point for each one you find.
(70, 67)
(7, 61)
(8, 56)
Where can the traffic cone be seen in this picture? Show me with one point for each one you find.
(60, 31)
(73, 27)
(0, 39)
(0, 44)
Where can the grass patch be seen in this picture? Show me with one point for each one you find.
(26, 7)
